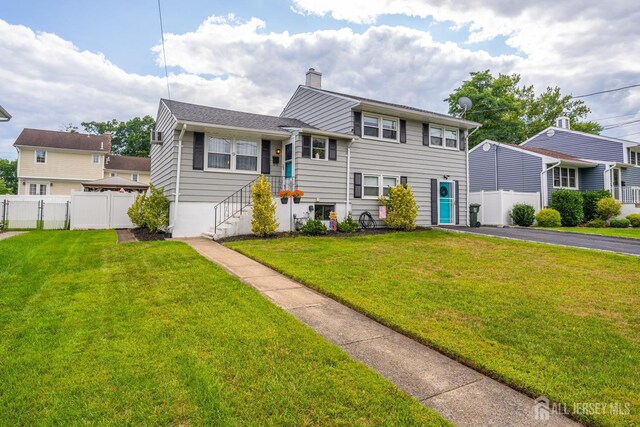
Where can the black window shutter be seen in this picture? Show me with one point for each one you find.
(425, 134)
(434, 202)
(266, 157)
(403, 181)
(198, 151)
(306, 146)
(357, 123)
(333, 149)
(457, 202)
(357, 185)
(403, 131)
(463, 139)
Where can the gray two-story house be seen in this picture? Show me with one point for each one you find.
(559, 157)
(343, 151)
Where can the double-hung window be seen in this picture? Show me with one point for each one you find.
(232, 154)
(134, 177)
(219, 153)
(443, 137)
(319, 148)
(95, 158)
(246, 155)
(380, 127)
(375, 186)
(634, 157)
(565, 178)
(37, 189)
(41, 156)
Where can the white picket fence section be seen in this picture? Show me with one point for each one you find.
(100, 210)
(495, 205)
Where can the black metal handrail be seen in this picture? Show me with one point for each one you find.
(241, 199)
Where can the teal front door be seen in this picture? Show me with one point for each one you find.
(288, 161)
(446, 203)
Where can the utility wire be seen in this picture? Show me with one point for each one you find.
(606, 91)
(619, 125)
(164, 53)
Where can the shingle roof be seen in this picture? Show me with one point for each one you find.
(550, 153)
(127, 163)
(219, 116)
(65, 140)
(4, 114)
(115, 182)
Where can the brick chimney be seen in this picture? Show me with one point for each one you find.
(314, 79)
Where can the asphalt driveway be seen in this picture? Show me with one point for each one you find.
(588, 241)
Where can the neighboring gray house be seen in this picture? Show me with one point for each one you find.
(4, 115)
(343, 151)
(559, 158)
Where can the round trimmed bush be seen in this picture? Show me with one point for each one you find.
(597, 223)
(548, 218)
(569, 204)
(589, 201)
(523, 214)
(313, 227)
(620, 223)
(634, 219)
(608, 208)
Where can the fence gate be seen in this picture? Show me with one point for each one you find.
(31, 213)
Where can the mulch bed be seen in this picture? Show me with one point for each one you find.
(282, 235)
(143, 235)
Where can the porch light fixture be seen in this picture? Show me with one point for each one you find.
(445, 176)
(278, 151)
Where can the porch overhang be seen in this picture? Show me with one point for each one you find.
(234, 130)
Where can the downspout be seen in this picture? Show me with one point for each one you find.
(543, 184)
(349, 174)
(177, 192)
(467, 167)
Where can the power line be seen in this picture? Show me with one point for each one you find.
(606, 91)
(164, 53)
(619, 125)
(615, 117)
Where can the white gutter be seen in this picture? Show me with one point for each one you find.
(349, 173)
(543, 183)
(177, 192)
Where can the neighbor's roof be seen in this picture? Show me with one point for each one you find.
(115, 182)
(64, 140)
(4, 115)
(127, 163)
(218, 116)
(549, 153)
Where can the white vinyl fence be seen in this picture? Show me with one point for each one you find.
(495, 205)
(30, 212)
(100, 210)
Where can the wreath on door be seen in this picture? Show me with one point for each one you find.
(444, 191)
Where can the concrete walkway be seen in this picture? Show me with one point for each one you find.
(459, 393)
(622, 245)
(8, 234)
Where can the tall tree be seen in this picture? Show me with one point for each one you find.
(130, 138)
(9, 175)
(512, 113)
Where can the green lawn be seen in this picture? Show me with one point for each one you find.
(616, 232)
(549, 320)
(95, 333)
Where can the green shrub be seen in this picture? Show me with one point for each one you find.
(569, 204)
(597, 223)
(523, 214)
(155, 210)
(589, 200)
(135, 210)
(620, 223)
(313, 227)
(548, 218)
(263, 217)
(349, 225)
(608, 208)
(634, 219)
(402, 209)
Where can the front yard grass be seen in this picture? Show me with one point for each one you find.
(95, 333)
(613, 232)
(553, 321)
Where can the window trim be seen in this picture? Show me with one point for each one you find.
(326, 148)
(315, 209)
(381, 118)
(381, 187)
(93, 157)
(137, 175)
(232, 168)
(444, 129)
(47, 185)
(35, 157)
(567, 187)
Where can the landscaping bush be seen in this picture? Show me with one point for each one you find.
(155, 210)
(402, 209)
(569, 204)
(620, 223)
(523, 214)
(608, 208)
(597, 223)
(349, 225)
(135, 210)
(548, 218)
(313, 227)
(634, 219)
(589, 201)
(263, 219)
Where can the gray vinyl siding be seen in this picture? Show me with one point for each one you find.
(321, 110)
(591, 179)
(516, 170)
(631, 176)
(163, 157)
(482, 169)
(417, 162)
(580, 145)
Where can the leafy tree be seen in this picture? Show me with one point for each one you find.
(130, 138)
(402, 209)
(263, 221)
(3, 188)
(510, 112)
(9, 175)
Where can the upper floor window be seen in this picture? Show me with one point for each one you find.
(634, 158)
(565, 178)
(41, 156)
(443, 137)
(134, 177)
(232, 154)
(319, 148)
(96, 158)
(380, 127)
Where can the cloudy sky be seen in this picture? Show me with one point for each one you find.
(72, 61)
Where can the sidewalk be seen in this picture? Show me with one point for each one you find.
(8, 234)
(462, 395)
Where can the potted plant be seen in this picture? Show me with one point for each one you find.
(284, 196)
(297, 195)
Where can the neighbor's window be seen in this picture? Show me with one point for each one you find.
(96, 158)
(219, 153)
(322, 211)
(371, 186)
(112, 174)
(134, 177)
(246, 155)
(37, 189)
(371, 127)
(33, 189)
(43, 189)
(41, 156)
(565, 177)
(319, 148)
(633, 157)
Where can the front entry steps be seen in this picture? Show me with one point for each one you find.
(226, 229)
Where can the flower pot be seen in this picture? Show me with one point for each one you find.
(296, 200)
(284, 200)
